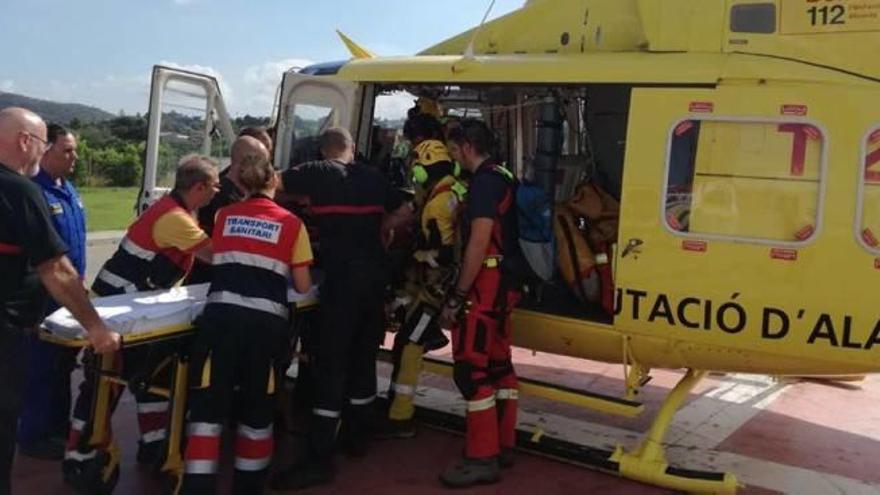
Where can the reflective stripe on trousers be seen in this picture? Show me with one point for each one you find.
(114, 280)
(326, 413)
(253, 448)
(362, 401)
(258, 303)
(404, 389)
(203, 448)
(507, 394)
(481, 404)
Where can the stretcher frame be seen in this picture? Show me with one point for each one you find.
(96, 431)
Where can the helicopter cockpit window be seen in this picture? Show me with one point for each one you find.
(756, 181)
(308, 122)
(869, 225)
(757, 18)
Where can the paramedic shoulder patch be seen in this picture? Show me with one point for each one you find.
(253, 228)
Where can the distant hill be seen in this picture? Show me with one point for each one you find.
(60, 113)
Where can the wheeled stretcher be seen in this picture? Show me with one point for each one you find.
(141, 318)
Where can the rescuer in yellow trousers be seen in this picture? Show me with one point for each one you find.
(438, 196)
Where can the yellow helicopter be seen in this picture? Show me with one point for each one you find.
(740, 137)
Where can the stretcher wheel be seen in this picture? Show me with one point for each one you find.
(107, 487)
(98, 476)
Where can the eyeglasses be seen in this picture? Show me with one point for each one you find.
(44, 142)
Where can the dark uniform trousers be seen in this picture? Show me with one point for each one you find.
(483, 370)
(351, 328)
(12, 369)
(235, 347)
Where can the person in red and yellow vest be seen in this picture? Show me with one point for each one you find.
(156, 253)
(258, 248)
(481, 340)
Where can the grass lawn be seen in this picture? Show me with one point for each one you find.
(108, 208)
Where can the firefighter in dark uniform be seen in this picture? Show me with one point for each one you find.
(352, 205)
(31, 253)
(481, 339)
(156, 253)
(45, 415)
(258, 247)
(231, 191)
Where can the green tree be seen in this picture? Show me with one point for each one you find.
(121, 167)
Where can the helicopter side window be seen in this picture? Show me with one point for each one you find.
(744, 180)
(308, 122)
(759, 18)
(869, 217)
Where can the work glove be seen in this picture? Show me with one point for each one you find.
(452, 310)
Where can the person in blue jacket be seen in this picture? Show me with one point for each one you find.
(43, 422)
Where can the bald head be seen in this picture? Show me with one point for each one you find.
(245, 149)
(22, 139)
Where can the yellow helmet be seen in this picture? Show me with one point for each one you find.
(430, 152)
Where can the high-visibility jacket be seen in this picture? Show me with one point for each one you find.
(438, 221)
(256, 245)
(140, 263)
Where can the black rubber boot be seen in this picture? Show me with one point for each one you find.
(469, 472)
(507, 458)
(149, 453)
(392, 429)
(303, 475)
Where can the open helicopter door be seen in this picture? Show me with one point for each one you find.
(724, 255)
(309, 105)
(187, 115)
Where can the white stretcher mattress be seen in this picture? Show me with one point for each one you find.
(143, 312)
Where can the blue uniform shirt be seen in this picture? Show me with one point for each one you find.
(68, 217)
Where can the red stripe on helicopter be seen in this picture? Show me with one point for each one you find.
(683, 127)
(794, 110)
(701, 107)
(800, 133)
(695, 246)
(805, 233)
(784, 254)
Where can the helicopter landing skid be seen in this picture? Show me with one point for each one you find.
(647, 463)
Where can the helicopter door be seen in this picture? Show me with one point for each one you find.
(187, 115)
(722, 213)
(308, 106)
